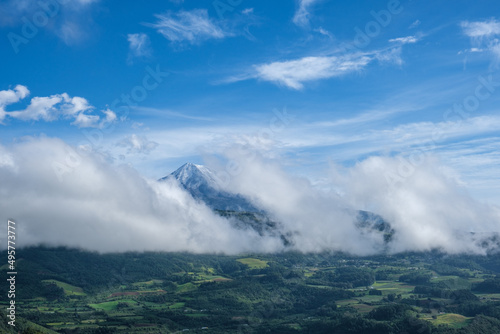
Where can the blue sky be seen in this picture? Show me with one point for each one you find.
(312, 83)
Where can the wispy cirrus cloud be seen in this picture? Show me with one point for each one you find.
(136, 144)
(302, 15)
(165, 112)
(481, 29)
(51, 108)
(405, 40)
(484, 36)
(189, 26)
(139, 46)
(16, 9)
(69, 20)
(296, 72)
(415, 24)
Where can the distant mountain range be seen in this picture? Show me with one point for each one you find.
(202, 184)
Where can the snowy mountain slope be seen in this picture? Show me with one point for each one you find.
(202, 184)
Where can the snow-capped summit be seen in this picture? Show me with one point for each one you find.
(194, 176)
(203, 185)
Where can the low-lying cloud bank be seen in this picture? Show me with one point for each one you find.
(423, 202)
(60, 195)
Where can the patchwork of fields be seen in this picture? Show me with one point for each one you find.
(222, 294)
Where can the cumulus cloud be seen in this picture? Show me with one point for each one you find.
(50, 108)
(11, 96)
(191, 26)
(63, 196)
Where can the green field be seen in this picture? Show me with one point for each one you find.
(69, 289)
(186, 287)
(173, 293)
(253, 263)
(211, 278)
(452, 320)
(394, 287)
(363, 308)
(109, 306)
(148, 283)
(177, 305)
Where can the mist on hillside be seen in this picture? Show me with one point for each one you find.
(62, 195)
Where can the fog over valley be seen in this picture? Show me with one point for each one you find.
(62, 195)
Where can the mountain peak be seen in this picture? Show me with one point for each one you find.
(189, 165)
(203, 184)
(193, 176)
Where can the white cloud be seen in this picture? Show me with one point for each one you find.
(137, 125)
(361, 136)
(138, 144)
(50, 108)
(71, 32)
(191, 26)
(484, 36)
(39, 108)
(294, 73)
(415, 24)
(477, 161)
(11, 96)
(481, 29)
(247, 11)
(324, 32)
(169, 113)
(83, 120)
(426, 207)
(139, 45)
(64, 196)
(423, 203)
(302, 15)
(69, 20)
(471, 50)
(110, 115)
(392, 55)
(405, 40)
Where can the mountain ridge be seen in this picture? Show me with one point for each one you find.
(202, 184)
